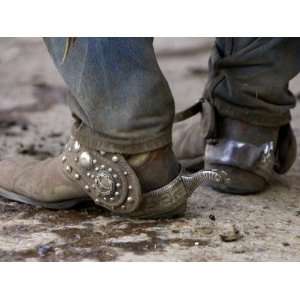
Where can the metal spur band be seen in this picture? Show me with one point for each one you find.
(110, 181)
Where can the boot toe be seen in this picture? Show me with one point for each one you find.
(10, 169)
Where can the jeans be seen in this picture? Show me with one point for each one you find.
(120, 92)
(249, 79)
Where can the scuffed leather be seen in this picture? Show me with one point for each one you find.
(208, 121)
(43, 181)
(188, 142)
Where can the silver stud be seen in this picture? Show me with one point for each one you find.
(123, 207)
(109, 169)
(102, 152)
(111, 198)
(130, 187)
(94, 161)
(102, 167)
(115, 158)
(76, 159)
(129, 199)
(104, 198)
(97, 169)
(87, 188)
(63, 159)
(117, 193)
(69, 149)
(118, 184)
(97, 200)
(92, 176)
(68, 169)
(115, 176)
(88, 174)
(76, 146)
(77, 176)
(85, 160)
(125, 173)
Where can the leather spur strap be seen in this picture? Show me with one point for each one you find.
(190, 111)
(106, 177)
(208, 117)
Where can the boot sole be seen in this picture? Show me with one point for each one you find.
(67, 204)
(57, 205)
(175, 213)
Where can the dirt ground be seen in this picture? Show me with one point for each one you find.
(35, 121)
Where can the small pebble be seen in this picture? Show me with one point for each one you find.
(240, 249)
(212, 217)
(230, 233)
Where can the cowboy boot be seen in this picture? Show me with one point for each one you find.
(189, 138)
(188, 145)
(248, 154)
(147, 185)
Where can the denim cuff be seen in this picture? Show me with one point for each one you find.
(251, 116)
(95, 140)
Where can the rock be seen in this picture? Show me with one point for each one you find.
(212, 217)
(240, 249)
(230, 233)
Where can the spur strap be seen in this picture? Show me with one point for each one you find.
(189, 112)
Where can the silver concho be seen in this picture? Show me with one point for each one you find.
(85, 160)
(105, 183)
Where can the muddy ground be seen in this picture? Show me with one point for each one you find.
(35, 121)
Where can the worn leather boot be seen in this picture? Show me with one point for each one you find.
(189, 145)
(147, 185)
(248, 155)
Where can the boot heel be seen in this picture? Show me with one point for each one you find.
(241, 182)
